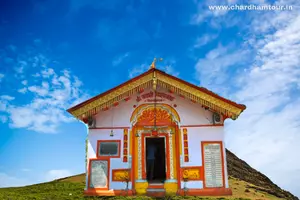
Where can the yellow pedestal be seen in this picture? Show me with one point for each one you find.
(141, 188)
(171, 188)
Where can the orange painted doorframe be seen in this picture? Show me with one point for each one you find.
(135, 151)
(177, 154)
(133, 159)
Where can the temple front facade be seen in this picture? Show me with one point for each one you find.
(156, 135)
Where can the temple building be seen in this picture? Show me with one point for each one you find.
(156, 135)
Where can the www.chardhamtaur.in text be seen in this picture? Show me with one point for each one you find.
(250, 7)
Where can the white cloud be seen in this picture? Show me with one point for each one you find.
(271, 92)
(169, 69)
(11, 181)
(118, 60)
(217, 18)
(138, 70)
(21, 66)
(38, 90)
(168, 66)
(5, 102)
(47, 110)
(56, 174)
(41, 104)
(36, 75)
(212, 71)
(203, 11)
(47, 72)
(266, 135)
(204, 39)
(22, 90)
(7, 97)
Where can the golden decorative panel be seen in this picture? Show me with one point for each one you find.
(192, 173)
(120, 175)
(148, 116)
(165, 109)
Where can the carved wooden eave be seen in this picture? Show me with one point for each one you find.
(153, 78)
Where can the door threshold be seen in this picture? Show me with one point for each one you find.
(156, 186)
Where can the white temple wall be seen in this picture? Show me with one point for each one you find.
(115, 163)
(196, 135)
(190, 113)
(192, 184)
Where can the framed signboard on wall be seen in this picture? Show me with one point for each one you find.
(99, 174)
(212, 156)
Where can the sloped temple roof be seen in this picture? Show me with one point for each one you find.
(152, 78)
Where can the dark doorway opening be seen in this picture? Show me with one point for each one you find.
(155, 160)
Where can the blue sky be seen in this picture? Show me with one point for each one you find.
(54, 54)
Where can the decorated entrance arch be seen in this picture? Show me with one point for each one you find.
(160, 120)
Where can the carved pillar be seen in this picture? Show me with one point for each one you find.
(171, 156)
(139, 156)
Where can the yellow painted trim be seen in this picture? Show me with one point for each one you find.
(180, 141)
(174, 154)
(171, 188)
(136, 158)
(130, 142)
(141, 188)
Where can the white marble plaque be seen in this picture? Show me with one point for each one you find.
(99, 172)
(213, 165)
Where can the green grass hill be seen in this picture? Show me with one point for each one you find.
(245, 182)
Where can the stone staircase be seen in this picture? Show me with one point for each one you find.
(156, 190)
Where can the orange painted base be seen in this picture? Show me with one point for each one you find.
(96, 192)
(206, 192)
(189, 192)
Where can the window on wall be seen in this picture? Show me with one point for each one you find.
(109, 148)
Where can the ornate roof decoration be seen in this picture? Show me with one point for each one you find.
(153, 78)
(144, 114)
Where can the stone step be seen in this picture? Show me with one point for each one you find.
(157, 192)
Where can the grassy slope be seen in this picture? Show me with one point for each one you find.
(245, 182)
(72, 188)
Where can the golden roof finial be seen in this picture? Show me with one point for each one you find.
(154, 62)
